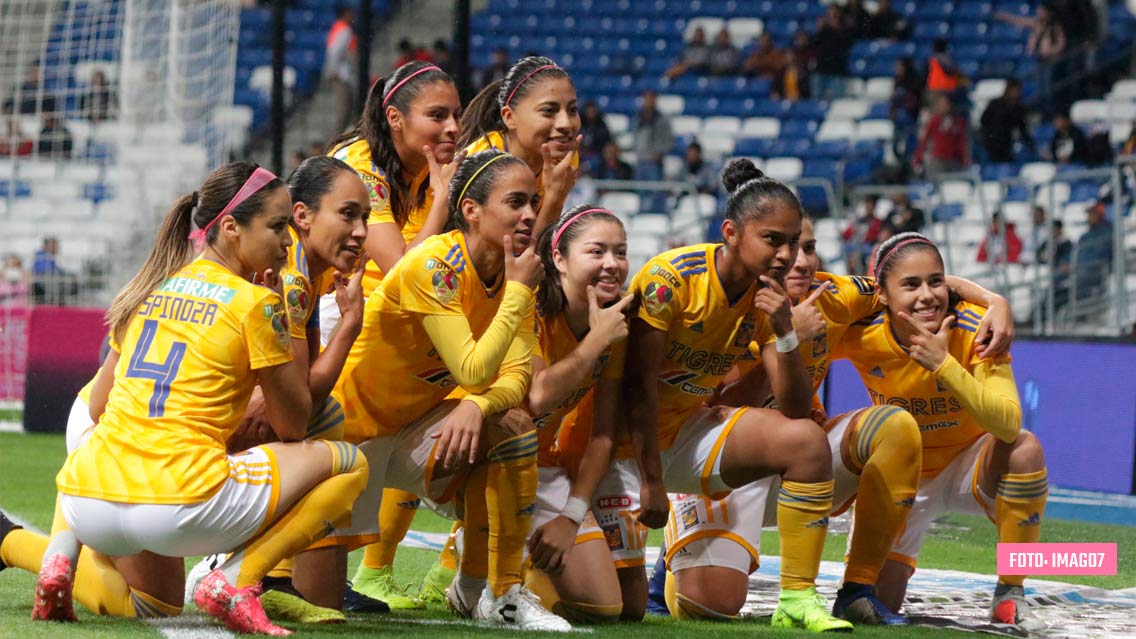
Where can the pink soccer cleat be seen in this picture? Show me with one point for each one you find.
(238, 608)
(53, 590)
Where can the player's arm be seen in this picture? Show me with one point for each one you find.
(990, 395)
(282, 379)
(646, 345)
(597, 454)
(100, 390)
(326, 366)
(996, 330)
(781, 357)
(513, 377)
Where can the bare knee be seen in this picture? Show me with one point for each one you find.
(810, 456)
(1026, 455)
(720, 590)
(633, 587)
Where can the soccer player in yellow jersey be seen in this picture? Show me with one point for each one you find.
(701, 307)
(404, 149)
(153, 483)
(458, 311)
(581, 327)
(921, 354)
(533, 114)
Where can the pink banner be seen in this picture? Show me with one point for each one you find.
(13, 351)
(1057, 559)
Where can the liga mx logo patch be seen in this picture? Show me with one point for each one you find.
(298, 306)
(445, 285)
(656, 296)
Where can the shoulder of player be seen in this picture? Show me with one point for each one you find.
(967, 317)
(357, 155)
(490, 140)
(678, 266)
(445, 251)
(871, 321)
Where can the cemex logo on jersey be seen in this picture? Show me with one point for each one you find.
(681, 378)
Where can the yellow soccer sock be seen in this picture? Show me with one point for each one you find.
(510, 496)
(448, 559)
(475, 534)
(284, 569)
(683, 607)
(395, 517)
(23, 549)
(802, 520)
(310, 519)
(889, 449)
(1018, 511)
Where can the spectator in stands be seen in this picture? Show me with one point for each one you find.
(904, 218)
(695, 56)
(833, 42)
(766, 60)
(14, 283)
(1069, 145)
(1094, 253)
(1098, 146)
(496, 69)
(856, 19)
(903, 107)
(611, 167)
(50, 283)
(724, 56)
(1063, 255)
(441, 55)
(996, 250)
(14, 142)
(944, 145)
(943, 77)
(1129, 146)
(99, 103)
(653, 139)
(860, 236)
(1079, 20)
(339, 66)
(803, 48)
(30, 98)
(792, 83)
(594, 130)
(886, 24)
(695, 169)
(1002, 117)
(409, 52)
(55, 140)
(1047, 42)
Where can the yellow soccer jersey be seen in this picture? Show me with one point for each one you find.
(301, 289)
(680, 293)
(554, 342)
(394, 373)
(848, 300)
(893, 378)
(357, 155)
(495, 140)
(185, 375)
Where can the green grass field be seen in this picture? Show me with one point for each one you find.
(28, 464)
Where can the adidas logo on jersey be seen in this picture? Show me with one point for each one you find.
(527, 510)
(877, 372)
(820, 523)
(696, 327)
(940, 386)
(1034, 520)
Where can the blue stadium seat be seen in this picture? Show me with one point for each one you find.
(829, 150)
(878, 111)
(932, 30)
(819, 168)
(947, 212)
(974, 11)
(791, 129)
(970, 32)
(934, 10)
(997, 171)
(757, 147)
(98, 191)
(15, 188)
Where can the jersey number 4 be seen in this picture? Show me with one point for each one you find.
(162, 373)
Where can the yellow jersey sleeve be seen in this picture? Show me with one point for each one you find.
(430, 286)
(300, 291)
(266, 333)
(514, 375)
(660, 294)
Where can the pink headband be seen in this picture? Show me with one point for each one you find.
(525, 79)
(887, 256)
(256, 182)
(398, 86)
(569, 221)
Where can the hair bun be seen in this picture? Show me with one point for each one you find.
(738, 172)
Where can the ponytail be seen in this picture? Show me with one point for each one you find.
(482, 115)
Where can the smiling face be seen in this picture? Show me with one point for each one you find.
(337, 228)
(767, 245)
(508, 210)
(916, 284)
(264, 242)
(800, 277)
(546, 113)
(596, 256)
(431, 120)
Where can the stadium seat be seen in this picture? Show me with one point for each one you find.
(744, 31)
(848, 109)
(710, 25)
(650, 224)
(956, 191)
(784, 169)
(625, 204)
(836, 130)
(686, 125)
(879, 88)
(1123, 91)
(761, 127)
(875, 130)
(724, 125)
(988, 89)
(1038, 172)
(1089, 111)
(716, 145)
(1122, 112)
(670, 104)
(617, 123)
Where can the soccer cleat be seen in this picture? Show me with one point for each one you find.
(520, 609)
(858, 604)
(806, 609)
(354, 601)
(282, 602)
(434, 584)
(238, 608)
(53, 590)
(463, 601)
(379, 583)
(208, 564)
(6, 526)
(1009, 605)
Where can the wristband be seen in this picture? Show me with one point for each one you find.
(575, 510)
(787, 342)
